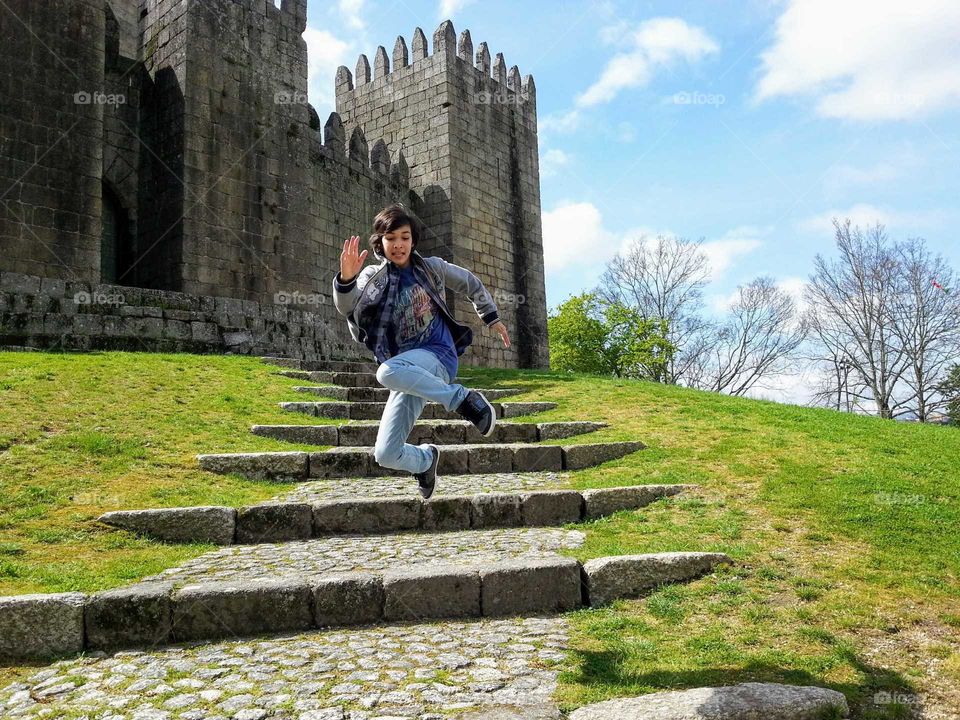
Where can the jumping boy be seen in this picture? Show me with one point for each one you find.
(397, 309)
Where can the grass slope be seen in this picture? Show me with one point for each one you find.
(844, 528)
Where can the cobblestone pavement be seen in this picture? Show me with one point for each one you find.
(352, 488)
(350, 552)
(424, 671)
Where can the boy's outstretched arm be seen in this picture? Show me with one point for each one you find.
(461, 280)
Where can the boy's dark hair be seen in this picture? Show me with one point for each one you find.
(390, 218)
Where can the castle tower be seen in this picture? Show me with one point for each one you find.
(470, 140)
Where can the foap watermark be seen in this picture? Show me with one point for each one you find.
(894, 99)
(698, 98)
(295, 297)
(98, 298)
(885, 697)
(501, 297)
(498, 98)
(286, 97)
(898, 498)
(83, 97)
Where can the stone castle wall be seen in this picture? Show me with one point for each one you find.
(218, 176)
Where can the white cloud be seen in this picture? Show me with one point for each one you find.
(325, 53)
(862, 214)
(882, 60)
(655, 43)
(560, 122)
(794, 286)
(448, 8)
(722, 253)
(351, 11)
(552, 161)
(573, 235)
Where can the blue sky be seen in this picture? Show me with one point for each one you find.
(748, 124)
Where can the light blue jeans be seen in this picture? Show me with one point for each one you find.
(413, 377)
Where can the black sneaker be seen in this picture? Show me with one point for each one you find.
(478, 410)
(427, 480)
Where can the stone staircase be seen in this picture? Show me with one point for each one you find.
(460, 595)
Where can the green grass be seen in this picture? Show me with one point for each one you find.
(84, 434)
(843, 528)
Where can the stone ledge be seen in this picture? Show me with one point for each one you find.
(282, 522)
(155, 614)
(736, 702)
(630, 576)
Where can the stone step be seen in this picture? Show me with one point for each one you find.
(328, 365)
(290, 521)
(343, 379)
(454, 460)
(368, 379)
(440, 432)
(153, 614)
(431, 411)
(380, 394)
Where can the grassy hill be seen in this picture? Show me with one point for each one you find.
(846, 530)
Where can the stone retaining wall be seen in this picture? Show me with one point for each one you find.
(60, 314)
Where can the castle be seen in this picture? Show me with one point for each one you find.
(165, 185)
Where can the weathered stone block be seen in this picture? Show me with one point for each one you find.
(735, 702)
(436, 591)
(520, 587)
(446, 513)
(546, 508)
(189, 524)
(535, 458)
(495, 510)
(482, 459)
(577, 457)
(366, 515)
(138, 616)
(559, 430)
(606, 501)
(629, 576)
(453, 461)
(308, 434)
(41, 626)
(235, 609)
(342, 462)
(274, 522)
(258, 466)
(348, 599)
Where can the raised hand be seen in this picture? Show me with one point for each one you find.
(350, 261)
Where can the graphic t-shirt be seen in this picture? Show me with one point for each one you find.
(418, 323)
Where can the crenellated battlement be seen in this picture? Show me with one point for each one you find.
(456, 53)
(378, 162)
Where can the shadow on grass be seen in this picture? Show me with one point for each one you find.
(605, 672)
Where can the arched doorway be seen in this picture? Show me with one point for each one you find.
(115, 250)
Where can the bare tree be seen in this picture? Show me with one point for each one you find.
(851, 302)
(758, 340)
(663, 279)
(926, 320)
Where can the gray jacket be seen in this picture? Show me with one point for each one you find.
(360, 300)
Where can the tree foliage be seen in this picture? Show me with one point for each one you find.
(607, 338)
